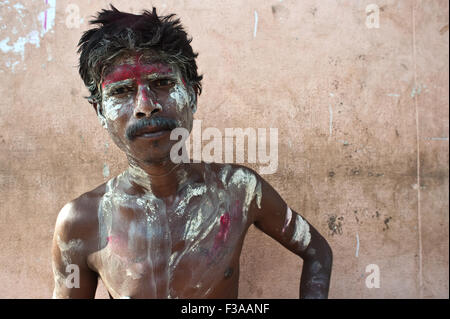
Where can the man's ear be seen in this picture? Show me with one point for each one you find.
(100, 116)
(194, 105)
(193, 100)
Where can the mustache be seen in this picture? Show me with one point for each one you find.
(160, 122)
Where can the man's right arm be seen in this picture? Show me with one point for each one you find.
(73, 278)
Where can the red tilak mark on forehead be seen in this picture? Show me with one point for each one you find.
(136, 71)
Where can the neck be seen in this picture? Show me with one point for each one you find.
(162, 179)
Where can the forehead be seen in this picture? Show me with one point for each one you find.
(134, 65)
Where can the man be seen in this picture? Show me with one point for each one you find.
(163, 229)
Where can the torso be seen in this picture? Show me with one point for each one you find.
(188, 248)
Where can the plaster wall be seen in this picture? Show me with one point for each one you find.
(361, 112)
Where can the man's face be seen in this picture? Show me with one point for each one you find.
(142, 101)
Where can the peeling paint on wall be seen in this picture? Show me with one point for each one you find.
(256, 24)
(24, 34)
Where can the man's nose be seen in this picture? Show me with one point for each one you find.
(146, 103)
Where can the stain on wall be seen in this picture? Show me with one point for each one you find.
(361, 112)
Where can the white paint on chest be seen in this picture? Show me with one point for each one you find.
(251, 185)
(200, 205)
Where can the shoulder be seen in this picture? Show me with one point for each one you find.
(74, 240)
(78, 218)
(232, 173)
(261, 198)
(240, 180)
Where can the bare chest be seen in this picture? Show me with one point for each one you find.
(187, 249)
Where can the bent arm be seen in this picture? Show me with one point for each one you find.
(291, 230)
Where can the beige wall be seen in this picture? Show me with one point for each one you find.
(362, 116)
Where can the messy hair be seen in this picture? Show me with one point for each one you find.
(121, 32)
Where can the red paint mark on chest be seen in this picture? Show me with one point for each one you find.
(116, 243)
(226, 221)
(221, 237)
(112, 239)
(225, 224)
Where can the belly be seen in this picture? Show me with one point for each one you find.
(200, 272)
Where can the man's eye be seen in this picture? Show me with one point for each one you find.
(121, 91)
(163, 82)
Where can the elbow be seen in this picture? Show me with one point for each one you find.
(324, 254)
(327, 253)
(321, 252)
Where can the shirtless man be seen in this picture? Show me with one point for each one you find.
(163, 229)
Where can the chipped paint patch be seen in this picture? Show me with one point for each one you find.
(47, 17)
(25, 38)
(437, 138)
(357, 245)
(18, 47)
(417, 90)
(256, 24)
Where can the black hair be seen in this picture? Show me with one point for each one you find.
(121, 32)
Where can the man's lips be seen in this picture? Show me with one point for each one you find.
(152, 131)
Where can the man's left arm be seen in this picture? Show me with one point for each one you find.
(276, 219)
